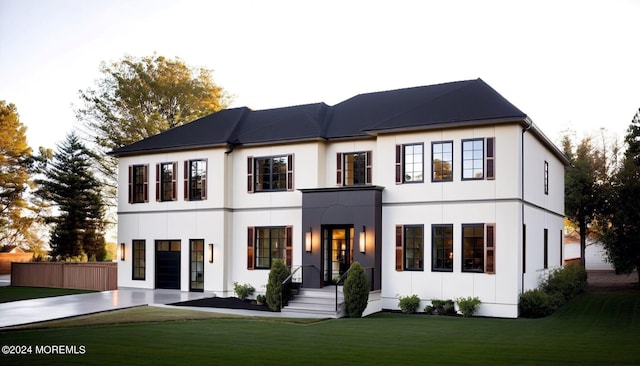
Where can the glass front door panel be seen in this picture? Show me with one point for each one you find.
(196, 275)
(337, 252)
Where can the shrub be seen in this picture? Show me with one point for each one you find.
(260, 299)
(468, 305)
(441, 307)
(536, 304)
(278, 273)
(409, 304)
(356, 291)
(561, 286)
(569, 281)
(243, 291)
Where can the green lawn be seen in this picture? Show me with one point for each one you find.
(593, 329)
(15, 293)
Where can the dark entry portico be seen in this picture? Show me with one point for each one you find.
(336, 217)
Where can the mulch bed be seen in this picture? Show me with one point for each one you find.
(225, 303)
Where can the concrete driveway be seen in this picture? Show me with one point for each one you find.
(50, 308)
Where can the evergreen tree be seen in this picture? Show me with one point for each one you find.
(622, 236)
(278, 273)
(70, 184)
(356, 291)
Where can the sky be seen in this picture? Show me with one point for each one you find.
(566, 64)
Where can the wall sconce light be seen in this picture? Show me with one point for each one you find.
(121, 251)
(363, 240)
(307, 241)
(210, 253)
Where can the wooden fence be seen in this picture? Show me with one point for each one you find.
(99, 276)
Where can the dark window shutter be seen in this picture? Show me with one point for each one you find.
(290, 172)
(491, 158)
(186, 180)
(145, 186)
(250, 244)
(250, 174)
(368, 170)
(157, 182)
(203, 194)
(339, 169)
(398, 164)
(288, 246)
(399, 248)
(174, 182)
(490, 249)
(130, 184)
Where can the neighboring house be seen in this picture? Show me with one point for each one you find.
(595, 256)
(441, 191)
(12, 253)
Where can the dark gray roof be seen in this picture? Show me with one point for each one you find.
(460, 102)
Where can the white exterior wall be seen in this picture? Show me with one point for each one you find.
(222, 219)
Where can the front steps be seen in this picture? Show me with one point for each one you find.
(316, 301)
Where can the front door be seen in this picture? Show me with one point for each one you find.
(196, 265)
(168, 264)
(337, 251)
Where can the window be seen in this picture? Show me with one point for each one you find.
(138, 260)
(474, 160)
(442, 248)
(265, 244)
(478, 249)
(442, 161)
(546, 249)
(138, 183)
(546, 177)
(413, 247)
(353, 168)
(409, 163)
(270, 173)
(166, 185)
(195, 180)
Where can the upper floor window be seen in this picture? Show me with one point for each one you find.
(442, 161)
(354, 168)
(265, 244)
(546, 177)
(442, 248)
(478, 248)
(409, 163)
(138, 183)
(266, 174)
(474, 159)
(166, 185)
(195, 180)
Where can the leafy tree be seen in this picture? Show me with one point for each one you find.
(278, 273)
(581, 200)
(622, 236)
(70, 184)
(17, 214)
(356, 291)
(140, 97)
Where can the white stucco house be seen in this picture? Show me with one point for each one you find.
(442, 191)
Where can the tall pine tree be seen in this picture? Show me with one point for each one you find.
(622, 237)
(70, 184)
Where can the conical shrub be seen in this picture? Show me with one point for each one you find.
(356, 291)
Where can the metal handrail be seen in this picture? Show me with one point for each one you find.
(288, 280)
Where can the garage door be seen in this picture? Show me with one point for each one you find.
(168, 264)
